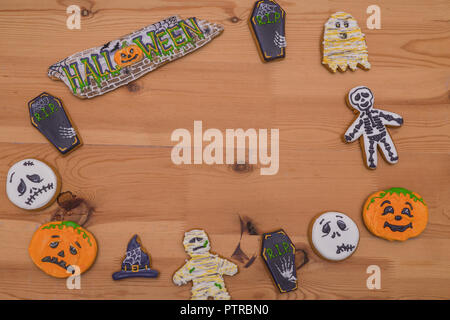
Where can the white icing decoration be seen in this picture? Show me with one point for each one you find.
(31, 184)
(334, 236)
(371, 125)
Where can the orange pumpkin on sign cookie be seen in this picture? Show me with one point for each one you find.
(57, 245)
(395, 214)
(128, 55)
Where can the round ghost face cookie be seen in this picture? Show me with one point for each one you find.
(334, 236)
(31, 184)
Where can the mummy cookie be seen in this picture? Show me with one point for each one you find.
(98, 70)
(204, 269)
(31, 184)
(47, 114)
(370, 126)
(278, 253)
(395, 214)
(344, 44)
(334, 236)
(136, 263)
(268, 24)
(61, 248)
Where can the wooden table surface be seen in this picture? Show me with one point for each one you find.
(125, 171)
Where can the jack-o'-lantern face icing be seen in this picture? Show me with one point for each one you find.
(334, 236)
(31, 184)
(128, 55)
(395, 214)
(58, 247)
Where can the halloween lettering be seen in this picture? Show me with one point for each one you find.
(101, 69)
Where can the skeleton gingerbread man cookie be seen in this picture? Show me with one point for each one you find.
(334, 236)
(204, 269)
(32, 184)
(370, 125)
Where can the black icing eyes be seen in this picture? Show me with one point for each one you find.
(326, 229)
(21, 188)
(131, 50)
(388, 209)
(365, 94)
(341, 224)
(54, 244)
(407, 212)
(195, 239)
(357, 97)
(34, 178)
(338, 24)
(73, 250)
(123, 55)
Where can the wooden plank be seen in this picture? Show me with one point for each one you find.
(124, 168)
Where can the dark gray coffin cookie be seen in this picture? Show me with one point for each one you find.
(47, 114)
(278, 252)
(268, 24)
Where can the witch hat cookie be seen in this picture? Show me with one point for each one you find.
(136, 262)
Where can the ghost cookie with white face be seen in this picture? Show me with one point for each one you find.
(334, 236)
(32, 184)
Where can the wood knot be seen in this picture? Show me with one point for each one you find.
(85, 12)
(133, 87)
(242, 167)
(235, 19)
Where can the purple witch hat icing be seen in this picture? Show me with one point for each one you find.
(136, 262)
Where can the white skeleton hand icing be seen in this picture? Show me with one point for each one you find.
(31, 184)
(371, 124)
(286, 269)
(334, 236)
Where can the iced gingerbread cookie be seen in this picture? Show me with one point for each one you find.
(278, 253)
(32, 184)
(98, 70)
(268, 25)
(344, 44)
(370, 126)
(47, 114)
(334, 236)
(136, 263)
(204, 269)
(395, 214)
(62, 248)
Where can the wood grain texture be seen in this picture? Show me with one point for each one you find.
(124, 167)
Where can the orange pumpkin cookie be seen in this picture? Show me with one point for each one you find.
(395, 214)
(56, 246)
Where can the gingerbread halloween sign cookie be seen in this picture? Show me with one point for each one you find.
(98, 70)
(334, 236)
(370, 126)
(395, 214)
(344, 44)
(268, 24)
(32, 184)
(47, 114)
(204, 269)
(136, 263)
(58, 248)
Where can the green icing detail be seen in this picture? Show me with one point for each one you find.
(218, 285)
(193, 268)
(397, 191)
(205, 244)
(68, 224)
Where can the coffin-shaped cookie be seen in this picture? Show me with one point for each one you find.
(47, 114)
(278, 252)
(95, 71)
(268, 24)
